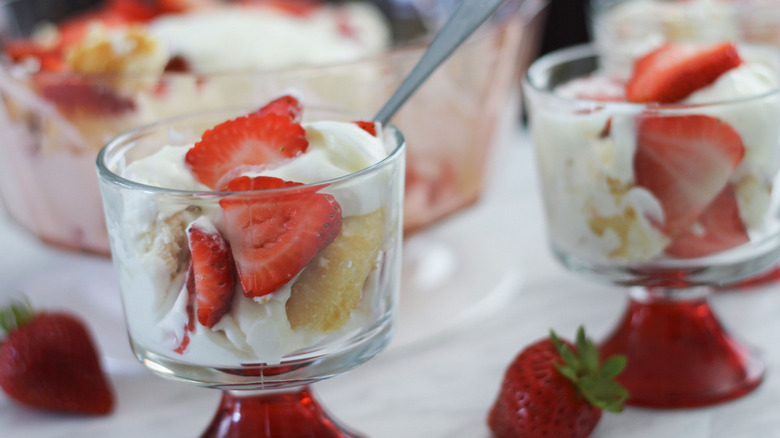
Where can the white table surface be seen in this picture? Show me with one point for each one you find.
(439, 376)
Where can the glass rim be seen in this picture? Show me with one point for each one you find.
(538, 70)
(111, 177)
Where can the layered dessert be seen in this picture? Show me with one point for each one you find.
(71, 85)
(625, 29)
(251, 244)
(676, 161)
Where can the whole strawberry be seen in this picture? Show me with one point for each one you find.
(49, 361)
(551, 391)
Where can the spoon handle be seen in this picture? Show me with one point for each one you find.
(468, 16)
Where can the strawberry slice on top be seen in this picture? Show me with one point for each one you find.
(275, 234)
(675, 70)
(685, 162)
(253, 141)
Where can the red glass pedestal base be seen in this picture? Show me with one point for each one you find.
(678, 353)
(289, 414)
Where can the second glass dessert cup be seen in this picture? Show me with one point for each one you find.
(265, 352)
(606, 224)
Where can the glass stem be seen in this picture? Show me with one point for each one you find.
(679, 354)
(289, 413)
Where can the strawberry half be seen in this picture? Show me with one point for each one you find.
(49, 361)
(274, 235)
(718, 228)
(252, 141)
(213, 271)
(685, 162)
(675, 70)
(551, 391)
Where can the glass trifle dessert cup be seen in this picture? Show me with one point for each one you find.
(664, 182)
(257, 255)
(71, 80)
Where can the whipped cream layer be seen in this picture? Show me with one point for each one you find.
(595, 210)
(153, 272)
(257, 38)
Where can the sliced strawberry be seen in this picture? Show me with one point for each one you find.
(286, 106)
(367, 126)
(213, 272)
(719, 228)
(75, 94)
(254, 140)
(274, 235)
(675, 70)
(685, 161)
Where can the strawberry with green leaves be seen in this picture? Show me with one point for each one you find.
(551, 391)
(49, 361)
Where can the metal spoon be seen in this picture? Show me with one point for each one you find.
(468, 16)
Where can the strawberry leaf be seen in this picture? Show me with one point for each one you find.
(15, 315)
(613, 366)
(594, 380)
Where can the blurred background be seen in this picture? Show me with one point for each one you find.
(565, 24)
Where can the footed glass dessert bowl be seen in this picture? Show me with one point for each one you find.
(257, 255)
(664, 182)
(71, 79)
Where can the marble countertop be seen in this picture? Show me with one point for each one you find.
(478, 288)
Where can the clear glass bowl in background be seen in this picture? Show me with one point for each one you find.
(471, 103)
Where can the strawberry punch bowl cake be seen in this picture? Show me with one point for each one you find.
(664, 180)
(72, 80)
(257, 250)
